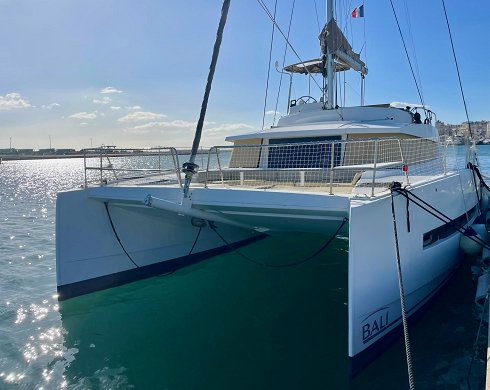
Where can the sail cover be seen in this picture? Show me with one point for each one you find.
(332, 40)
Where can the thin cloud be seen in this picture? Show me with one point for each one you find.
(229, 128)
(272, 112)
(163, 126)
(104, 100)
(115, 108)
(141, 116)
(50, 106)
(133, 108)
(160, 125)
(137, 131)
(12, 101)
(178, 125)
(110, 90)
(84, 115)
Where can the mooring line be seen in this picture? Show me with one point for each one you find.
(408, 352)
(442, 217)
(475, 344)
(302, 261)
(117, 236)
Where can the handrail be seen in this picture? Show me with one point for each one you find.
(375, 161)
(365, 165)
(107, 153)
(390, 157)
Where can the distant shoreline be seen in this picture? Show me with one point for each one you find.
(16, 158)
(96, 155)
(81, 155)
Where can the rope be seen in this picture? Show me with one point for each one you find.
(317, 19)
(271, 17)
(195, 241)
(117, 236)
(407, 12)
(442, 217)
(406, 52)
(364, 45)
(475, 344)
(281, 265)
(269, 67)
(475, 169)
(474, 183)
(283, 62)
(402, 301)
(457, 69)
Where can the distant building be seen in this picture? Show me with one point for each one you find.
(25, 152)
(65, 151)
(46, 151)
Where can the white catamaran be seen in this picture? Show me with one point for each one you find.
(323, 169)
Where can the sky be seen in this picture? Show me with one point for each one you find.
(132, 73)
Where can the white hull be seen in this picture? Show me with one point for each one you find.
(93, 254)
(99, 247)
(374, 296)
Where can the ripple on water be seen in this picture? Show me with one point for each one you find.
(31, 333)
(221, 311)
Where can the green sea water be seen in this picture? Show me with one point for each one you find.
(224, 323)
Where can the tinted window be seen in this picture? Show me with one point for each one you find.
(310, 154)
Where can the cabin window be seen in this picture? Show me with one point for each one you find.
(312, 152)
(446, 230)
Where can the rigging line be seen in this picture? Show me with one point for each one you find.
(457, 69)
(282, 265)
(283, 62)
(348, 20)
(365, 40)
(413, 46)
(464, 199)
(344, 20)
(353, 89)
(266, 10)
(117, 236)
(344, 90)
(337, 81)
(269, 68)
(408, 56)
(317, 19)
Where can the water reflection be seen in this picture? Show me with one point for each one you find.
(221, 324)
(224, 323)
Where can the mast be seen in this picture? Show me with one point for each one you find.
(330, 63)
(190, 168)
(337, 56)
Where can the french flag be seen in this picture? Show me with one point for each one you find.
(358, 12)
